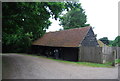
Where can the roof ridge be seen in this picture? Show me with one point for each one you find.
(69, 29)
(65, 38)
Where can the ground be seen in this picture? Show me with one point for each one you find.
(19, 66)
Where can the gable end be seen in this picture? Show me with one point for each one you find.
(90, 39)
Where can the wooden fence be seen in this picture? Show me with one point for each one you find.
(98, 54)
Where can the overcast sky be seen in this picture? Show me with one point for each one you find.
(101, 14)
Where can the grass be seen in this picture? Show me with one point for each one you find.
(85, 63)
(80, 63)
(117, 61)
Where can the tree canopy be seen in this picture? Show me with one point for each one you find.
(75, 18)
(116, 42)
(105, 40)
(24, 22)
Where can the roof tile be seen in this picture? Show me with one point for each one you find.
(64, 38)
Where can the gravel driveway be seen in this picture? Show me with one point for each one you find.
(17, 66)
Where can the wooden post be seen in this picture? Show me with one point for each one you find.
(114, 57)
(79, 54)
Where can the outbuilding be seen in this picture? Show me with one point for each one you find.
(65, 44)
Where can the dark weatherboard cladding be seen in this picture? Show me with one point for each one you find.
(90, 39)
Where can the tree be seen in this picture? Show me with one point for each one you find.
(105, 40)
(116, 42)
(24, 22)
(75, 18)
(110, 42)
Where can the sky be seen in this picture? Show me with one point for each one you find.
(101, 14)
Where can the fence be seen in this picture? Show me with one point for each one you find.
(98, 54)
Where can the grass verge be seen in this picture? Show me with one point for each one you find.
(85, 63)
(117, 61)
(79, 63)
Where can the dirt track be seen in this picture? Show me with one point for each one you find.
(29, 67)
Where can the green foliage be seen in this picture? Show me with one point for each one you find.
(117, 61)
(74, 18)
(105, 40)
(110, 42)
(116, 42)
(24, 22)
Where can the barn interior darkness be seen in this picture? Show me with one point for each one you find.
(64, 53)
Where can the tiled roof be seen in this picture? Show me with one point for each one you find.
(64, 38)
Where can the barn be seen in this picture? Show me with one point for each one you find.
(65, 44)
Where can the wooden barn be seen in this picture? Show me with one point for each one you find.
(65, 44)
